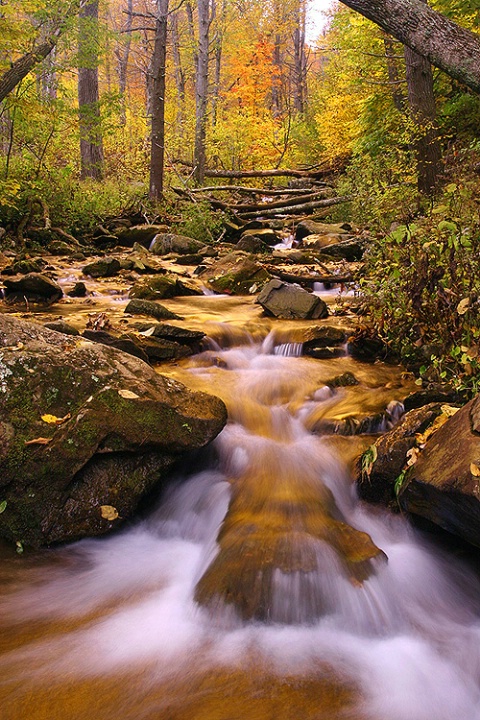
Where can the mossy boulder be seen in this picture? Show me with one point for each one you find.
(236, 274)
(155, 288)
(105, 267)
(166, 243)
(86, 432)
(141, 234)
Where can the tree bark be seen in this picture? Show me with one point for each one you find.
(123, 54)
(157, 154)
(448, 46)
(91, 143)
(201, 90)
(179, 74)
(300, 58)
(393, 73)
(421, 100)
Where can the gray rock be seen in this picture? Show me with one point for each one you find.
(150, 308)
(288, 301)
(166, 243)
(141, 234)
(33, 288)
(105, 267)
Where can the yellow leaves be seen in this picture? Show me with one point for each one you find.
(474, 470)
(53, 420)
(463, 306)
(108, 512)
(128, 395)
(447, 412)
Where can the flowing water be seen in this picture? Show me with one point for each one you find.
(259, 587)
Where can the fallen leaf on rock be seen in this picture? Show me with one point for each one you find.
(128, 395)
(54, 420)
(474, 470)
(38, 441)
(463, 306)
(412, 456)
(108, 512)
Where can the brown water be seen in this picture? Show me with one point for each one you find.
(259, 587)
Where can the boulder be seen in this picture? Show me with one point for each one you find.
(79, 290)
(236, 274)
(86, 432)
(141, 234)
(155, 288)
(377, 471)
(290, 302)
(325, 342)
(318, 242)
(252, 244)
(311, 227)
(349, 250)
(265, 235)
(105, 267)
(443, 486)
(150, 308)
(183, 336)
(31, 288)
(166, 243)
(62, 326)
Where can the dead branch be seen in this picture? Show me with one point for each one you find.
(298, 209)
(309, 280)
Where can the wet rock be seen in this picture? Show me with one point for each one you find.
(324, 342)
(180, 335)
(349, 250)
(252, 244)
(24, 267)
(378, 469)
(366, 345)
(32, 288)
(79, 290)
(303, 540)
(123, 343)
(311, 227)
(86, 432)
(443, 486)
(188, 288)
(150, 308)
(288, 301)
(166, 243)
(318, 242)
(155, 288)
(236, 274)
(141, 234)
(105, 267)
(436, 393)
(265, 235)
(62, 327)
(190, 259)
(346, 379)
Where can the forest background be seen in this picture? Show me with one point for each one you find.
(241, 85)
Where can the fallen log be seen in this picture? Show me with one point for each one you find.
(301, 209)
(259, 207)
(243, 189)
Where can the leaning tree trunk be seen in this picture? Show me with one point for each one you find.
(91, 143)
(157, 102)
(447, 45)
(201, 90)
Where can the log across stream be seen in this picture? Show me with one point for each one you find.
(258, 586)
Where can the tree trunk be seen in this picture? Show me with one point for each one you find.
(393, 73)
(179, 74)
(157, 155)
(300, 58)
(421, 100)
(201, 90)
(448, 46)
(91, 144)
(123, 55)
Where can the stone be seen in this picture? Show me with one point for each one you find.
(124, 343)
(443, 486)
(32, 288)
(150, 308)
(289, 301)
(376, 472)
(105, 267)
(79, 290)
(166, 243)
(236, 274)
(318, 242)
(84, 426)
(252, 244)
(62, 327)
(325, 342)
(349, 250)
(180, 335)
(154, 288)
(265, 235)
(141, 234)
(311, 227)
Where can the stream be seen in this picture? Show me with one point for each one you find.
(111, 628)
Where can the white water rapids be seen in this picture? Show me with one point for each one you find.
(109, 628)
